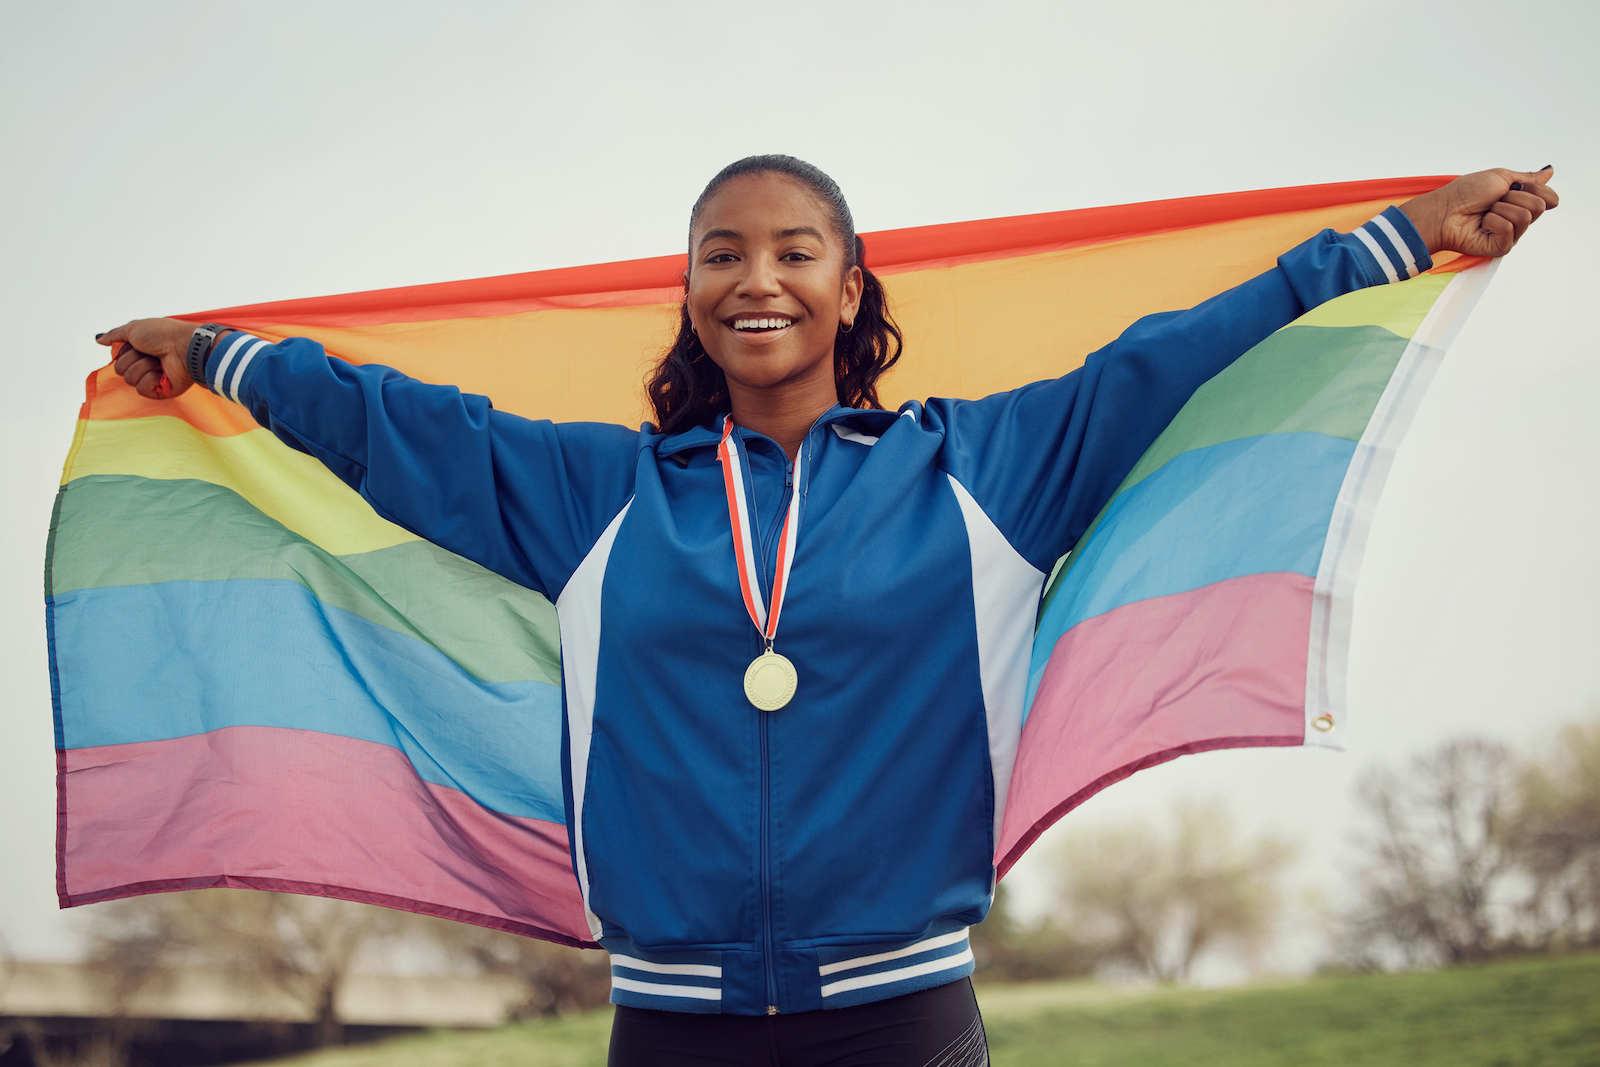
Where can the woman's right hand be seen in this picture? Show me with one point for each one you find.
(150, 355)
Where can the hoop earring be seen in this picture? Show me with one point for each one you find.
(846, 327)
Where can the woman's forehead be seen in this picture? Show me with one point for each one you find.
(753, 205)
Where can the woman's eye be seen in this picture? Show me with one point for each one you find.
(720, 257)
(796, 257)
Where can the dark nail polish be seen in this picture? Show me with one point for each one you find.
(1546, 167)
(98, 336)
(1516, 187)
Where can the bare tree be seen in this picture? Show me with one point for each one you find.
(556, 978)
(1008, 949)
(302, 946)
(1440, 880)
(1557, 831)
(1156, 902)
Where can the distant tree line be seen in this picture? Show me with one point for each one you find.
(1136, 900)
(1475, 851)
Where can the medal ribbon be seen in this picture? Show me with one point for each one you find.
(731, 455)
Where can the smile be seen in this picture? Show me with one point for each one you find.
(768, 324)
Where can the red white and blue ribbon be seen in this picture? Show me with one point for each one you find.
(730, 452)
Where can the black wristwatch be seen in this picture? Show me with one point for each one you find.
(200, 344)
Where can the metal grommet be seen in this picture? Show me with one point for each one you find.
(1323, 724)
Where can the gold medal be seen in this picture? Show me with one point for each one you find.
(770, 681)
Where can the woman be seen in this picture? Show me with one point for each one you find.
(793, 624)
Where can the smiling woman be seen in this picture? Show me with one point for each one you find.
(780, 313)
(781, 836)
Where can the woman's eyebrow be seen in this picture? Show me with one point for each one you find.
(712, 235)
(735, 235)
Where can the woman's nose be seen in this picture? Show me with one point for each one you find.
(760, 278)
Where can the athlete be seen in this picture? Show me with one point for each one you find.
(791, 619)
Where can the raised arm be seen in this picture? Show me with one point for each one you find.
(1043, 459)
(525, 498)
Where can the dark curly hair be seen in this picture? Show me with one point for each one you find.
(687, 389)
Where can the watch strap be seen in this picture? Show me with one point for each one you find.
(201, 343)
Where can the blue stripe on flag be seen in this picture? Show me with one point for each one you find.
(173, 659)
(1259, 505)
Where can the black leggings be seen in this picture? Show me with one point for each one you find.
(937, 1027)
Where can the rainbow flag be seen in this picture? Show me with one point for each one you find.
(260, 682)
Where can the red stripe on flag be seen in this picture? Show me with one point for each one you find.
(659, 279)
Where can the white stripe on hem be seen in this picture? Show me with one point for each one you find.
(655, 989)
(948, 963)
(701, 970)
(1377, 250)
(910, 950)
(1399, 243)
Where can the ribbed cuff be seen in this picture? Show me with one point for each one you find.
(1389, 248)
(228, 361)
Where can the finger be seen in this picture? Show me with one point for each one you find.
(138, 367)
(147, 382)
(111, 337)
(1499, 232)
(1530, 177)
(1519, 217)
(1545, 193)
(1533, 202)
(1537, 182)
(126, 356)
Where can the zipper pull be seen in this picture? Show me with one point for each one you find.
(788, 475)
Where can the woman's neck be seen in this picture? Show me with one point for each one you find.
(783, 414)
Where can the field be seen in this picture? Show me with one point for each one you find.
(1542, 1012)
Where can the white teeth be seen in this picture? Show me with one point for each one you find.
(762, 324)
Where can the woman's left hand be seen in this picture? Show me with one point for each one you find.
(1482, 214)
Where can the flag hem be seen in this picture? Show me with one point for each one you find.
(1333, 593)
(318, 889)
(1049, 819)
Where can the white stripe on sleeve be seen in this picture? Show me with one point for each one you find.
(1399, 243)
(238, 373)
(227, 358)
(1377, 250)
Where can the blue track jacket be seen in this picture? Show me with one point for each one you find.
(834, 852)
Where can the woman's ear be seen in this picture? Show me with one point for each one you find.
(850, 296)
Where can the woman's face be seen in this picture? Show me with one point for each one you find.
(768, 289)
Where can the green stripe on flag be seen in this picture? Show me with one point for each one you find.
(117, 530)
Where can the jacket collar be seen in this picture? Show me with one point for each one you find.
(873, 420)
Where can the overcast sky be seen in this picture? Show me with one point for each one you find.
(162, 158)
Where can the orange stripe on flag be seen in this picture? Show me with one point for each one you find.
(985, 306)
(659, 279)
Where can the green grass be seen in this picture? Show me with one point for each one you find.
(1521, 1013)
(573, 1041)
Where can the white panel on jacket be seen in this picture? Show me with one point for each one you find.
(1005, 596)
(578, 612)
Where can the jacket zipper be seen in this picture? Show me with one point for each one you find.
(768, 945)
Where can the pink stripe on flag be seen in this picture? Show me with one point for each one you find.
(296, 810)
(1223, 666)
